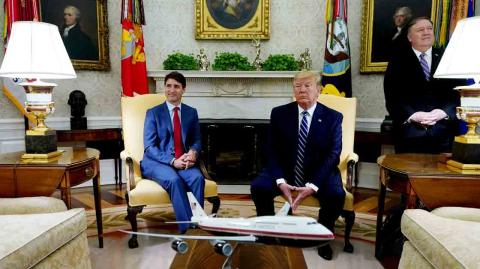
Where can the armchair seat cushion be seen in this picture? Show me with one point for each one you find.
(37, 236)
(149, 192)
(443, 242)
(31, 205)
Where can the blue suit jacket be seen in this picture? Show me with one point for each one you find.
(158, 136)
(322, 152)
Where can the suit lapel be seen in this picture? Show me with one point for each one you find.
(316, 122)
(184, 122)
(435, 61)
(415, 63)
(165, 116)
(292, 120)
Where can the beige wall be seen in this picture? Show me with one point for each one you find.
(295, 25)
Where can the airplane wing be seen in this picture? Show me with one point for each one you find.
(245, 238)
(284, 210)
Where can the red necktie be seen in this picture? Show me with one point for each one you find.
(177, 134)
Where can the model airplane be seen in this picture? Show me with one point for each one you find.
(280, 229)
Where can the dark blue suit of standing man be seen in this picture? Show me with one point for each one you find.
(169, 161)
(316, 173)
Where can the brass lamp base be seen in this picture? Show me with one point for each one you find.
(466, 150)
(38, 157)
(40, 142)
(469, 169)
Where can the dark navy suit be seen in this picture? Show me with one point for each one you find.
(408, 91)
(159, 153)
(322, 153)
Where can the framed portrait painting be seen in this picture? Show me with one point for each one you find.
(379, 28)
(83, 27)
(232, 19)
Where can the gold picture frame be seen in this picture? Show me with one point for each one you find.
(92, 34)
(231, 19)
(377, 18)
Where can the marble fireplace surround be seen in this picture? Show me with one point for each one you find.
(233, 94)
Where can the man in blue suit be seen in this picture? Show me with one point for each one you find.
(305, 141)
(172, 142)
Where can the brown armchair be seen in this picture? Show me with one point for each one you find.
(142, 192)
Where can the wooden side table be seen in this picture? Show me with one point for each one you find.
(19, 178)
(108, 141)
(425, 177)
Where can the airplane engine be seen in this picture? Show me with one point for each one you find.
(180, 246)
(223, 248)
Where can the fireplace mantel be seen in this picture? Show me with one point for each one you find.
(233, 94)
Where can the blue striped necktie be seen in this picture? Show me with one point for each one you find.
(302, 141)
(424, 64)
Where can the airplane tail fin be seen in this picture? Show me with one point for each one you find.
(197, 210)
(284, 210)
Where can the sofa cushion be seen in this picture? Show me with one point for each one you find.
(411, 258)
(444, 242)
(460, 213)
(28, 239)
(31, 205)
(74, 254)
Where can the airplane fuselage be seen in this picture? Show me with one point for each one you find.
(283, 230)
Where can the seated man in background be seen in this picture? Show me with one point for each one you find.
(422, 107)
(305, 141)
(172, 142)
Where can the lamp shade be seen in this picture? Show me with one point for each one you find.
(36, 50)
(462, 55)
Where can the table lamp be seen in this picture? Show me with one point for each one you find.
(35, 51)
(462, 60)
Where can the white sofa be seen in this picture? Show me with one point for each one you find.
(447, 237)
(39, 232)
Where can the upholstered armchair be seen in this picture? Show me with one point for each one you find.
(348, 159)
(447, 237)
(140, 191)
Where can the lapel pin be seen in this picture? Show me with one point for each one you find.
(319, 120)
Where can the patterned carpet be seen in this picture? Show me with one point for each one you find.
(155, 216)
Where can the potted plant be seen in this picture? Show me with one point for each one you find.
(280, 62)
(228, 61)
(180, 61)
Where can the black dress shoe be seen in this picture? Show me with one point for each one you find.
(325, 252)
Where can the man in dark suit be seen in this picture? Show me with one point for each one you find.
(172, 142)
(305, 142)
(422, 107)
(78, 44)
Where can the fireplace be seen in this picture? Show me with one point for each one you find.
(233, 149)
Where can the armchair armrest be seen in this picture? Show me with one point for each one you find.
(352, 160)
(203, 169)
(352, 156)
(126, 156)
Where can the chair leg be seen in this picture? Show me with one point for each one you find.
(215, 201)
(349, 217)
(132, 212)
